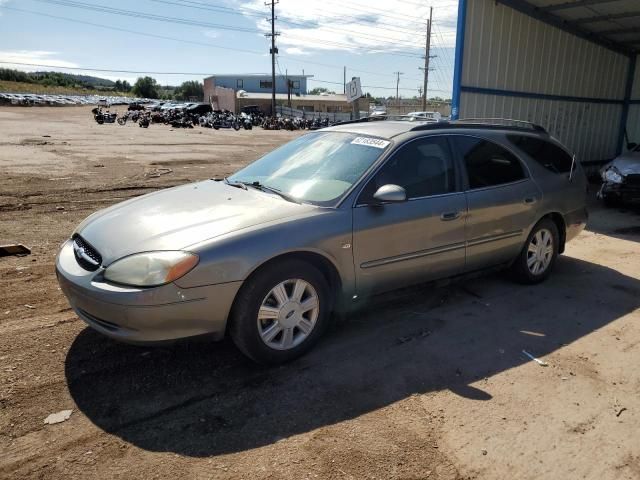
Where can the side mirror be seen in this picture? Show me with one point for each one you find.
(631, 146)
(390, 194)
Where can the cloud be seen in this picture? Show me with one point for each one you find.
(295, 51)
(33, 57)
(3, 2)
(212, 33)
(378, 26)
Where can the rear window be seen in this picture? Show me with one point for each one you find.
(547, 154)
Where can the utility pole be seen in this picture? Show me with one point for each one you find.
(289, 83)
(273, 52)
(427, 57)
(344, 78)
(397, 74)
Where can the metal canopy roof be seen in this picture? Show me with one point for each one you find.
(614, 24)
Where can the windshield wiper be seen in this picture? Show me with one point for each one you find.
(259, 186)
(241, 185)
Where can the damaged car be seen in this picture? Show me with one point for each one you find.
(621, 178)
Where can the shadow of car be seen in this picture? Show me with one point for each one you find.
(199, 399)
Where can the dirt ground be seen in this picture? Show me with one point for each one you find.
(426, 383)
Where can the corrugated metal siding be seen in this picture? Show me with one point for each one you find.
(633, 121)
(633, 124)
(635, 92)
(507, 50)
(589, 130)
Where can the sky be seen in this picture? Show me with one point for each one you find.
(179, 40)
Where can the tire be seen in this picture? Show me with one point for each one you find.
(247, 329)
(532, 267)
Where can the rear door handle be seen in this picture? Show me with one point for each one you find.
(530, 200)
(449, 216)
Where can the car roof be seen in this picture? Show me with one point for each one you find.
(392, 128)
(383, 128)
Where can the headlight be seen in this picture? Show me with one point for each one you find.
(611, 175)
(151, 269)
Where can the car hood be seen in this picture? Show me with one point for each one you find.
(176, 218)
(626, 164)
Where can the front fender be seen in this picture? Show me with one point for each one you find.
(233, 257)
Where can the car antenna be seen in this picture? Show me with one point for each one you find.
(573, 162)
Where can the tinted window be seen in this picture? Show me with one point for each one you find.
(547, 154)
(487, 163)
(422, 167)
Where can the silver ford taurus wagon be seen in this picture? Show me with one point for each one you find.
(318, 225)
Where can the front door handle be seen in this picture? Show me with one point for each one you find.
(530, 200)
(449, 216)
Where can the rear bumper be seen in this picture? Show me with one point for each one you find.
(576, 221)
(145, 315)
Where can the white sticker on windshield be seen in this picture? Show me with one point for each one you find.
(370, 142)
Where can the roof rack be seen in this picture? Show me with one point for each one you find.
(505, 122)
(380, 118)
(485, 123)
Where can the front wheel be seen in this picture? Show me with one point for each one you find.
(281, 312)
(538, 256)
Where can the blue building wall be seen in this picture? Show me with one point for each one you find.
(262, 83)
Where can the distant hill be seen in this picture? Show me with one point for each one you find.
(78, 79)
(60, 79)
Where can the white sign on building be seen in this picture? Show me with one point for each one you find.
(353, 90)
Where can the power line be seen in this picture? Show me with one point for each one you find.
(134, 32)
(147, 16)
(229, 11)
(184, 21)
(181, 40)
(140, 72)
(105, 69)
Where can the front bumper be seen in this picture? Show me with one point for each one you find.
(626, 191)
(144, 315)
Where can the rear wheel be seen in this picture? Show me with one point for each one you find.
(281, 312)
(538, 256)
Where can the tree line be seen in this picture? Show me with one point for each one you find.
(146, 87)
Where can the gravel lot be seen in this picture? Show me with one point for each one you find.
(425, 383)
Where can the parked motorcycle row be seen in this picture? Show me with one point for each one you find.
(188, 117)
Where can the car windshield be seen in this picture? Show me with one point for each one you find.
(317, 168)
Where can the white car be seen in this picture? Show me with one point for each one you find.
(437, 116)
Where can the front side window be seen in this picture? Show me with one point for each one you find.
(239, 83)
(316, 168)
(266, 84)
(550, 156)
(487, 163)
(422, 167)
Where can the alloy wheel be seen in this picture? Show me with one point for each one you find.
(288, 314)
(540, 252)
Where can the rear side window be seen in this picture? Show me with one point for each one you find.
(547, 154)
(488, 164)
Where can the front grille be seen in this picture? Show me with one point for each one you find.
(633, 179)
(86, 256)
